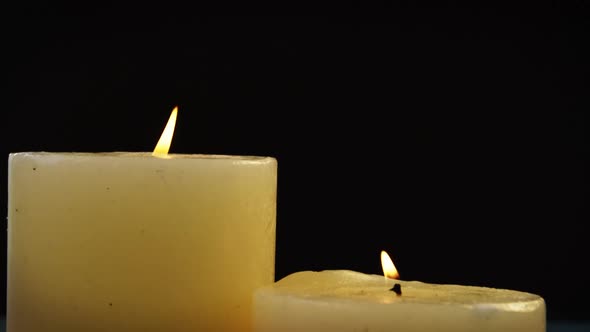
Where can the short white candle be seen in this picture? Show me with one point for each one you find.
(342, 300)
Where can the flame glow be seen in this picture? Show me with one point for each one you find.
(389, 270)
(163, 145)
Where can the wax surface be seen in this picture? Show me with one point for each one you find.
(130, 242)
(341, 300)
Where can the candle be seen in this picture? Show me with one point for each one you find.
(342, 300)
(132, 242)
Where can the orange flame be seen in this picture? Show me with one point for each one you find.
(165, 141)
(389, 270)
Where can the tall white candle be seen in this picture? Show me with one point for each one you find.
(342, 300)
(131, 242)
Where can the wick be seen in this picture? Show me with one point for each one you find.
(397, 288)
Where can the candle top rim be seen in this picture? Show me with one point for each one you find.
(129, 154)
(337, 285)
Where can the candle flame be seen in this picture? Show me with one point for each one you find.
(389, 270)
(163, 145)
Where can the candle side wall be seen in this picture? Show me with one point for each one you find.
(135, 243)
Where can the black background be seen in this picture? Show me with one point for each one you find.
(451, 137)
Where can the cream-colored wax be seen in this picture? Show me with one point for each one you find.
(341, 300)
(130, 242)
